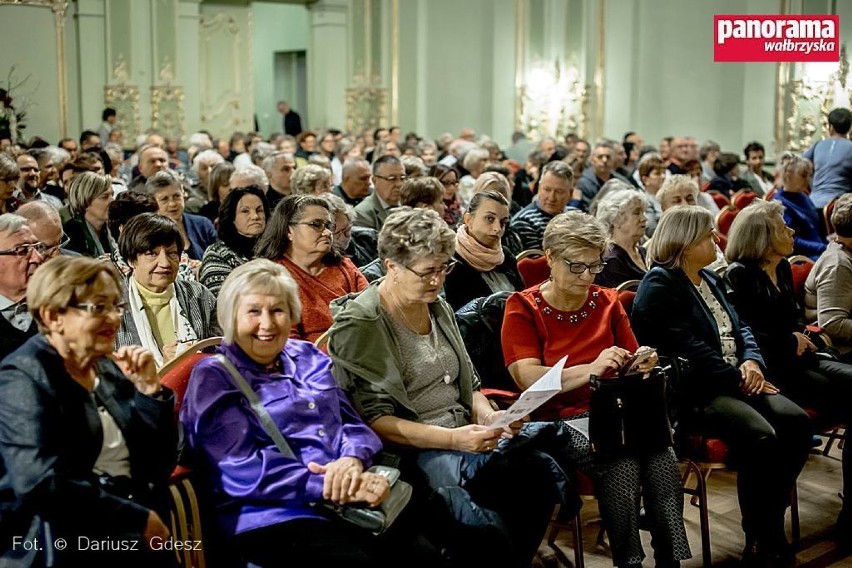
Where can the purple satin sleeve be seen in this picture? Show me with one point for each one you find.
(317, 420)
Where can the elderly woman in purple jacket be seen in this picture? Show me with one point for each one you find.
(261, 497)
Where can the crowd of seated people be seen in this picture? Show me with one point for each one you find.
(113, 263)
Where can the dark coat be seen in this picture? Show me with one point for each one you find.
(50, 438)
(771, 313)
(201, 234)
(363, 246)
(465, 283)
(669, 314)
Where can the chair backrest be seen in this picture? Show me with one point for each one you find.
(743, 198)
(800, 266)
(626, 298)
(321, 342)
(533, 270)
(725, 218)
(770, 195)
(829, 209)
(720, 199)
(529, 253)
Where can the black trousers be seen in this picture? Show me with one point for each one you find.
(770, 437)
(828, 389)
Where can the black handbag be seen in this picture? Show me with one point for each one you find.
(374, 519)
(628, 415)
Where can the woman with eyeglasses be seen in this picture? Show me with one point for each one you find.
(682, 310)
(398, 351)
(88, 436)
(484, 266)
(299, 236)
(569, 315)
(449, 178)
(166, 314)
(357, 243)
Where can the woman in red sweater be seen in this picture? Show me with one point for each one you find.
(567, 314)
(298, 236)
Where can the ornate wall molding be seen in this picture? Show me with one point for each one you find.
(368, 102)
(167, 103)
(59, 9)
(224, 108)
(124, 98)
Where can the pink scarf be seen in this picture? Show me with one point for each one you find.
(476, 254)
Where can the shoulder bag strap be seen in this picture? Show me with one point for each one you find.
(260, 410)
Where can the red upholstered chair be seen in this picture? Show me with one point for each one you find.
(743, 198)
(829, 209)
(725, 218)
(186, 523)
(532, 264)
(721, 200)
(801, 266)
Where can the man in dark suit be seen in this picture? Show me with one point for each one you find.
(292, 120)
(20, 255)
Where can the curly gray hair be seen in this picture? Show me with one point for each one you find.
(409, 234)
(615, 205)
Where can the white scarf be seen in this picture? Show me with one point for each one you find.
(183, 330)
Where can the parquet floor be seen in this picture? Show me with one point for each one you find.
(819, 504)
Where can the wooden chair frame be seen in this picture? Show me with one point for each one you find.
(194, 348)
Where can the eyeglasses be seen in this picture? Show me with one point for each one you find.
(581, 267)
(26, 250)
(449, 183)
(392, 179)
(318, 226)
(101, 310)
(346, 229)
(432, 275)
(51, 250)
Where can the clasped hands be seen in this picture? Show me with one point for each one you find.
(346, 482)
(753, 382)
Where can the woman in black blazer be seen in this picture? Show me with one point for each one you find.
(483, 265)
(681, 310)
(760, 286)
(87, 436)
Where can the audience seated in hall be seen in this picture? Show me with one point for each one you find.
(568, 315)
(760, 288)
(263, 499)
(681, 310)
(397, 349)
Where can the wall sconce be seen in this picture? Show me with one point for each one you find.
(553, 101)
(817, 88)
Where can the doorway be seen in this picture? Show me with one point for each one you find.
(291, 81)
